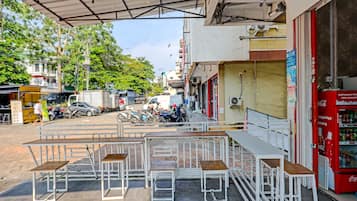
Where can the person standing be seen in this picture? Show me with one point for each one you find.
(38, 111)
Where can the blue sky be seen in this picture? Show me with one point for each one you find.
(156, 40)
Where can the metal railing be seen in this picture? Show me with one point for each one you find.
(273, 130)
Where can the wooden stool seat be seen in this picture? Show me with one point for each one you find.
(114, 157)
(50, 166)
(289, 168)
(213, 165)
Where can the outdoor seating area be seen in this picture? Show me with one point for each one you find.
(225, 165)
(216, 160)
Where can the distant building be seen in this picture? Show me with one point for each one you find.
(42, 74)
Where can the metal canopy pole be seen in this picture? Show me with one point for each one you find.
(333, 44)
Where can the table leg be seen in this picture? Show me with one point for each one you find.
(146, 162)
(33, 155)
(282, 181)
(257, 179)
(91, 162)
(227, 150)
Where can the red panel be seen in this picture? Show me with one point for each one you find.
(315, 137)
(269, 55)
(345, 183)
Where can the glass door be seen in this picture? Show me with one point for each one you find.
(348, 138)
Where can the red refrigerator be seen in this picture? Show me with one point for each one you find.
(338, 138)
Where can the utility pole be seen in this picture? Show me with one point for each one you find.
(1, 20)
(59, 65)
(86, 64)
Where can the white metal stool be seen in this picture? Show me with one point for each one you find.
(119, 159)
(294, 172)
(214, 168)
(50, 167)
(163, 170)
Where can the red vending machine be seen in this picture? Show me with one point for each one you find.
(338, 138)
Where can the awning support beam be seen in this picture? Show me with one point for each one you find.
(124, 10)
(127, 8)
(90, 10)
(52, 12)
(183, 11)
(143, 18)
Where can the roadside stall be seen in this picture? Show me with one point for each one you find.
(16, 103)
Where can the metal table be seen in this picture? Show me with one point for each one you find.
(189, 137)
(260, 150)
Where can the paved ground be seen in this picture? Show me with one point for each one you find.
(15, 158)
(186, 190)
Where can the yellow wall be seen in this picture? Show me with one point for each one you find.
(270, 43)
(264, 88)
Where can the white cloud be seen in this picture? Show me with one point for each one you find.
(163, 54)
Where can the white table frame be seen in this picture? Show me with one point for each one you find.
(260, 150)
(182, 138)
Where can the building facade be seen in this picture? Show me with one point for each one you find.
(235, 62)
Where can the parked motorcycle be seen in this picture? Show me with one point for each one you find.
(176, 114)
(55, 113)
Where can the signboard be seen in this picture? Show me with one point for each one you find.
(16, 112)
(291, 75)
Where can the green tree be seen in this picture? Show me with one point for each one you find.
(28, 35)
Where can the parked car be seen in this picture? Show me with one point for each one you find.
(84, 108)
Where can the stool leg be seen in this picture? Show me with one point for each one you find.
(272, 184)
(290, 188)
(102, 179)
(277, 189)
(122, 178)
(226, 181)
(220, 182)
(314, 190)
(54, 185)
(108, 167)
(66, 178)
(299, 188)
(152, 186)
(204, 186)
(201, 180)
(127, 174)
(173, 186)
(34, 186)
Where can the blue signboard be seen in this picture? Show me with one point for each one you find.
(291, 67)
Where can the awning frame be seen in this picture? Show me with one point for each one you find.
(96, 16)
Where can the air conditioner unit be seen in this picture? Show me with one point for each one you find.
(235, 101)
(196, 80)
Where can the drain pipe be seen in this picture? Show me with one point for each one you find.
(262, 37)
